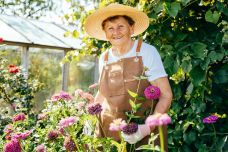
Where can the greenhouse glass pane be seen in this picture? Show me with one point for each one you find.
(81, 74)
(9, 34)
(45, 66)
(57, 32)
(31, 32)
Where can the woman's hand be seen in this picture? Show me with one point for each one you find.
(143, 131)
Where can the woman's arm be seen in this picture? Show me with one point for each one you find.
(166, 97)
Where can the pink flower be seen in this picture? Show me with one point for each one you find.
(93, 86)
(117, 125)
(80, 105)
(1, 39)
(18, 117)
(67, 121)
(42, 116)
(61, 96)
(12, 146)
(40, 148)
(210, 119)
(152, 92)
(165, 119)
(78, 92)
(22, 136)
(87, 96)
(8, 129)
(158, 120)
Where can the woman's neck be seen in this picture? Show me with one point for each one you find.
(123, 49)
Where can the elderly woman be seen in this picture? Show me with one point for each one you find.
(120, 64)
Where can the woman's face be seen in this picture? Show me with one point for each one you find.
(118, 32)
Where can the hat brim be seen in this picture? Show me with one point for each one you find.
(93, 23)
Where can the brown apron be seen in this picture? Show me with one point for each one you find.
(115, 81)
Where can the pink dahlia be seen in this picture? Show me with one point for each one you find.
(68, 121)
(152, 92)
(12, 146)
(22, 136)
(19, 117)
(61, 96)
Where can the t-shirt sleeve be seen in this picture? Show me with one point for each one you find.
(153, 62)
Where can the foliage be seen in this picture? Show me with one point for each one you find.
(15, 90)
(26, 8)
(64, 116)
(192, 37)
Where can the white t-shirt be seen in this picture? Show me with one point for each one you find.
(150, 57)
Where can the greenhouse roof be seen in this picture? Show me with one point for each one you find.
(19, 31)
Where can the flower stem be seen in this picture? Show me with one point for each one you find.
(214, 132)
(161, 138)
(99, 122)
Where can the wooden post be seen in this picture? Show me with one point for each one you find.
(25, 60)
(65, 74)
(96, 70)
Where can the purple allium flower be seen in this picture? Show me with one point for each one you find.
(130, 128)
(152, 92)
(40, 148)
(53, 135)
(117, 125)
(69, 144)
(12, 146)
(210, 119)
(94, 108)
(67, 121)
(22, 136)
(19, 117)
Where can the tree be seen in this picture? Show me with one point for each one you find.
(26, 8)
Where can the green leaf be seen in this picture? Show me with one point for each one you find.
(148, 147)
(214, 56)
(199, 50)
(133, 105)
(186, 64)
(212, 17)
(189, 137)
(187, 124)
(172, 8)
(221, 75)
(197, 76)
(132, 94)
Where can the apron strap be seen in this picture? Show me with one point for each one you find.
(106, 57)
(138, 47)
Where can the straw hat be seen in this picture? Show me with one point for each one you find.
(93, 23)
